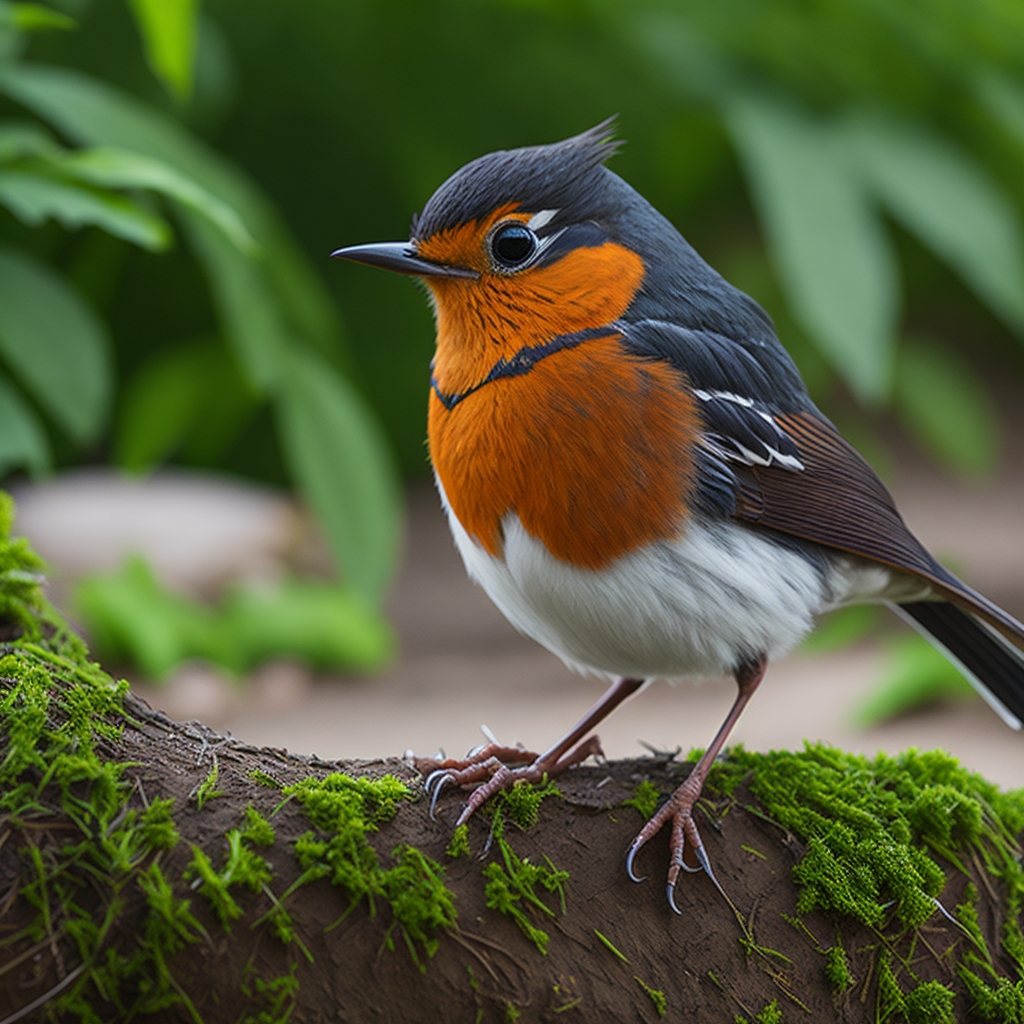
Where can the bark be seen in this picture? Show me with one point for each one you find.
(718, 960)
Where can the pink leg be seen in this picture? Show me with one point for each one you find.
(679, 807)
(490, 765)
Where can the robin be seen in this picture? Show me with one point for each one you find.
(632, 468)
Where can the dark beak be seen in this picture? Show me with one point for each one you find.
(400, 257)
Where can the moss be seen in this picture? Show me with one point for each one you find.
(343, 810)
(512, 886)
(837, 970)
(242, 867)
(875, 830)
(645, 799)
(278, 996)
(770, 1014)
(458, 846)
(655, 995)
(207, 790)
(607, 943)
(930, 1003)
(257, 829)
(522, 801)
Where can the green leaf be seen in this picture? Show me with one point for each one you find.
(951, 203)
(1004, 100)
(22, 438)
(56, 344)
(324, 625)
(916, 675)
(37, 18)
(119, 168)
(946, 404)
(33, 198)
(96, 114)
(688, 62)
(343, 466)
(190, 397)
(23, 138)
(168, 29)
(833, 256)
(250, 318)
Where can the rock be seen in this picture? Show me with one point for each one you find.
(197, 530)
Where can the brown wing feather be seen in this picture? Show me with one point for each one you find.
(838, 501)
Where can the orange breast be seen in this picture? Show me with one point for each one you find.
(592, 449)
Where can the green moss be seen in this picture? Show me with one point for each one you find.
(512, 888)
(605, 941)
(458, 846)
(278, 996)
(771, 1014)
(512, 1014)
(645, 799)
(242, 867)
(655, 995)
(930, 1003)
(875, 830)
(257, 829)
(343, 810)
(263, 779)
(522, 801)
(207, 790)
(837, 970)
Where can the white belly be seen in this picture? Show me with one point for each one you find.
(694, 606)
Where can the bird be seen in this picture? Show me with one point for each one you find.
(632, 467)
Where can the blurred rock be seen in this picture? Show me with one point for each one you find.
(197, 530)
(194, 691)
(278, 686)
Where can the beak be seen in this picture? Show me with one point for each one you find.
(400, 257)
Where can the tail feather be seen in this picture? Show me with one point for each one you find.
(991, 661)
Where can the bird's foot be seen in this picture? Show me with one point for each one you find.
(687, 850)
(498, 768)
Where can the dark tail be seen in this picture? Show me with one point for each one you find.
(991, 661)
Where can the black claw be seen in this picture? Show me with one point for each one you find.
(633, 851)
(706, 865)
(445, 778)
(945, 913)
(670, 892)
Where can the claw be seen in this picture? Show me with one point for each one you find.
(705, 863)
(431, 780)
(633, 851)
(445, 778)
(945, 913)
(670, 892)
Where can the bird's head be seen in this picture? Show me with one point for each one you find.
(521, 246)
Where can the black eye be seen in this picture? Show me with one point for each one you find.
(513, 245)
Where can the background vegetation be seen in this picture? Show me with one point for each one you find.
(856, 165)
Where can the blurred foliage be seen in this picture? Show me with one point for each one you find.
(130, 166)
(132, 619)
(916, 675)
(855, 165)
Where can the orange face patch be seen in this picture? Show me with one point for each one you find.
(481, 321)
(591, 449)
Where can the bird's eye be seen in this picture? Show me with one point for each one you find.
(512, 245)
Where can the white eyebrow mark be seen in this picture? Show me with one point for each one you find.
(538, 220)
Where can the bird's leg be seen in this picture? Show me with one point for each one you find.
(679, 806)
(491, 765)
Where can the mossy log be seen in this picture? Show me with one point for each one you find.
(171, 952)
(155, 870)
